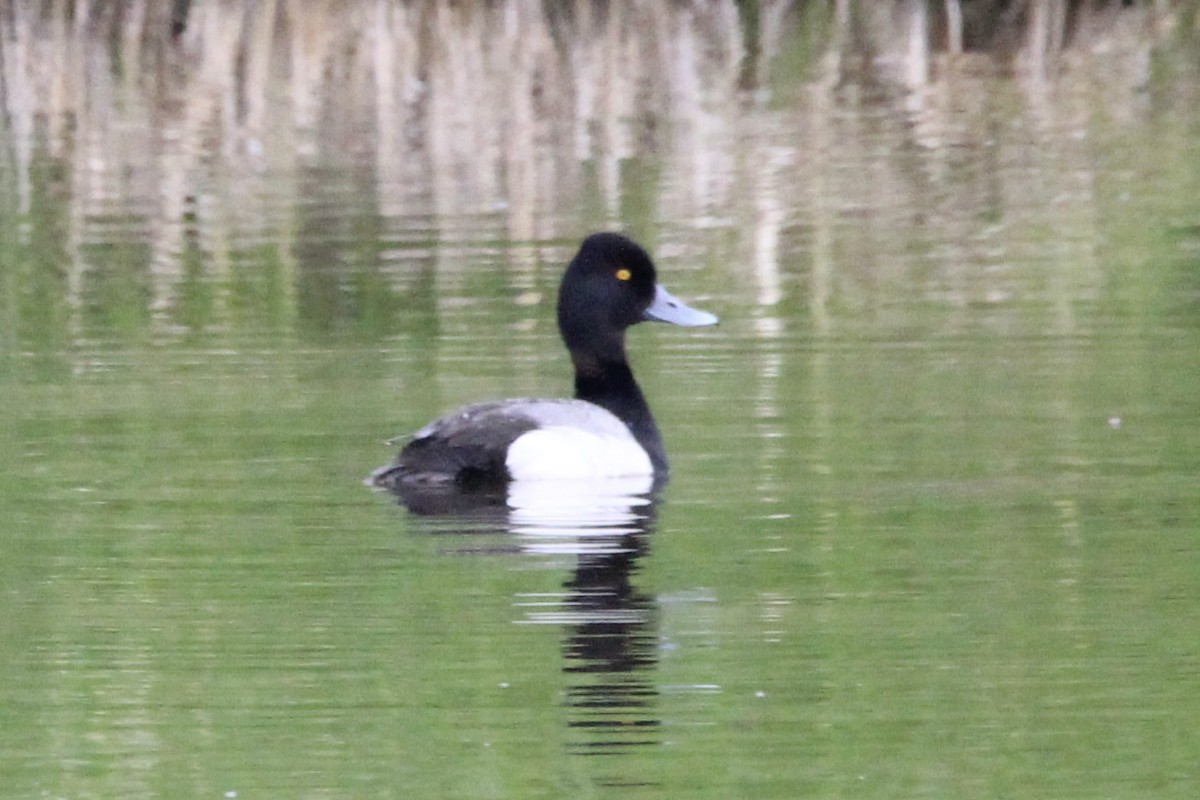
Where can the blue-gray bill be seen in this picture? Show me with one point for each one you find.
(667, 308)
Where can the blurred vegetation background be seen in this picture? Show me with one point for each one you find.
(147, 147)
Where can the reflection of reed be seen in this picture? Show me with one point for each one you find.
(485, 120)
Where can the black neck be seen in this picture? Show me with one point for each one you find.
(610, 385)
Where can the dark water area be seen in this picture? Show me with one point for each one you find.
(933, 526)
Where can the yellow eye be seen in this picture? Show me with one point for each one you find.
(624, 274)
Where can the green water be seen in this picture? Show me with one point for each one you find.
(955, 565)
(933, 528)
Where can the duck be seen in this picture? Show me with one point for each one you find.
(605, 431)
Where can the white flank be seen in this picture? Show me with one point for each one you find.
(560, 452)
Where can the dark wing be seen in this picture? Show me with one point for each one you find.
(463, 451)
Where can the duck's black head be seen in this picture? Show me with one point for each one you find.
(607, 287)
(610, 285)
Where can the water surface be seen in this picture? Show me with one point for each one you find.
(933, 524)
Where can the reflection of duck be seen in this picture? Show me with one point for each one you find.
(606, 431)
(611, 650)
(610, 634)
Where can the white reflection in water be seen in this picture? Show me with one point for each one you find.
(576, 516)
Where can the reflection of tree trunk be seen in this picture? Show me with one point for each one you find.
(179, 15)
(842, 18)
(1044, 37)
(916, 50)
(954, 22)
(820, 201)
